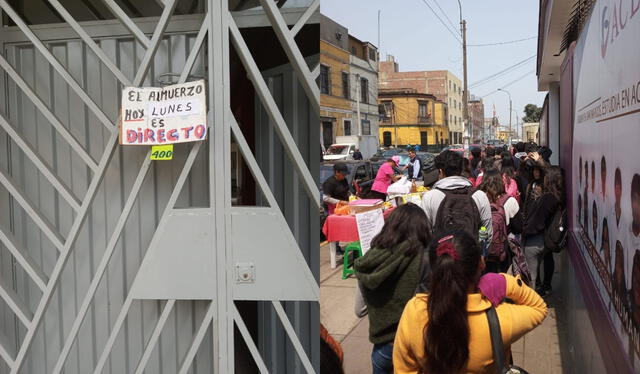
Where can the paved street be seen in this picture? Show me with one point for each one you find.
(538, 352)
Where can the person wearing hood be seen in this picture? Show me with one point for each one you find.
(451, 190)
(388, 275)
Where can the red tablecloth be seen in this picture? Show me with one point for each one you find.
(343, 228)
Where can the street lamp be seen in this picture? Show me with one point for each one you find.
(465, 94)
(518, 135)
(510, 110)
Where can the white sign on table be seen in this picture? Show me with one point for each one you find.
(369, 225)
(164, 115)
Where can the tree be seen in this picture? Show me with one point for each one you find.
(532, 113)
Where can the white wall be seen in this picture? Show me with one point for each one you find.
(368, 70)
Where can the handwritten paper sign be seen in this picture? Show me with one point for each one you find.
(163, 115)
(369, 225)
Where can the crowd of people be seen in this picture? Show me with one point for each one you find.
(436, 269)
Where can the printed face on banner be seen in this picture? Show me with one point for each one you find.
(163, 115)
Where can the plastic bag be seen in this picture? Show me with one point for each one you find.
(401, 187)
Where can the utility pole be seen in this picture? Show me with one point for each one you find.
(395, 125)
(379, 46)
(358, 95)
(510, 112)
(465, 94)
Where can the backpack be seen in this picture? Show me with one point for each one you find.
(458, 212)
(555, 235)
(512, 188)
(519, 262)
(500, 237)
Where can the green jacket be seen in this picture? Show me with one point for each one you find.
(387, 280)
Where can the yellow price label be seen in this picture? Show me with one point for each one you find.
(162, 152)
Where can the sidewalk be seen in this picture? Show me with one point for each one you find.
(538, 352)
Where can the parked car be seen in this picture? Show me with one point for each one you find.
(339, 152)
(384, 154)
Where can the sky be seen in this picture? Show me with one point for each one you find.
(410, 32)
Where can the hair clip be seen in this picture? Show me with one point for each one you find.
(445, 238)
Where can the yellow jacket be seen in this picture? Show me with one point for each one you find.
(516, 320)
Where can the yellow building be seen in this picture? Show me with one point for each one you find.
(412, 118)
(336, 113)
(503, 133)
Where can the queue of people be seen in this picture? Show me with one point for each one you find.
(436, 270)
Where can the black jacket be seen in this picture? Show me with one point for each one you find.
(540, 212)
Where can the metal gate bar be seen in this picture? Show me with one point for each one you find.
(272, 108)
(48, 114)
(56, 65)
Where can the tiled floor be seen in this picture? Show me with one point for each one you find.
(538, 352)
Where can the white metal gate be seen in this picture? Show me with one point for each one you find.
(112, 261)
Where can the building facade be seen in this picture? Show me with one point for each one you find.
(476, 118)
(363, 88)
(412, 118)
(530, 132)
(336, 109)
(442, 84)
(490, 128)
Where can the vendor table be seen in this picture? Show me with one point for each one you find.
(342, 229)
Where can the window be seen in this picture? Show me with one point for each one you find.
(455, 120)
(450, 118)
(454, 88)
(345, 85)
(385, 109)
(449, 85)
(366, 127)
(361, 173)
(372, 54)
(459, 91)
(325, 83)
(422, 109)
(364, 90)
(455, 104)
(347, 127)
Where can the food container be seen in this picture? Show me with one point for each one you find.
(364, 205)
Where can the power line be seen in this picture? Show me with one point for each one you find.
(456, 36)
(501, 43)
(445, 14)
(501, 72)
(510, 83)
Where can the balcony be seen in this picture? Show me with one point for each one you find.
(427, 120)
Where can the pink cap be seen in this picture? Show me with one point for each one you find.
(396, 159)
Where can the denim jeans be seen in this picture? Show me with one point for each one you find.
(382, 358)
(534, 252)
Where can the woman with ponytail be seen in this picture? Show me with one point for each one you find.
(446, 331)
